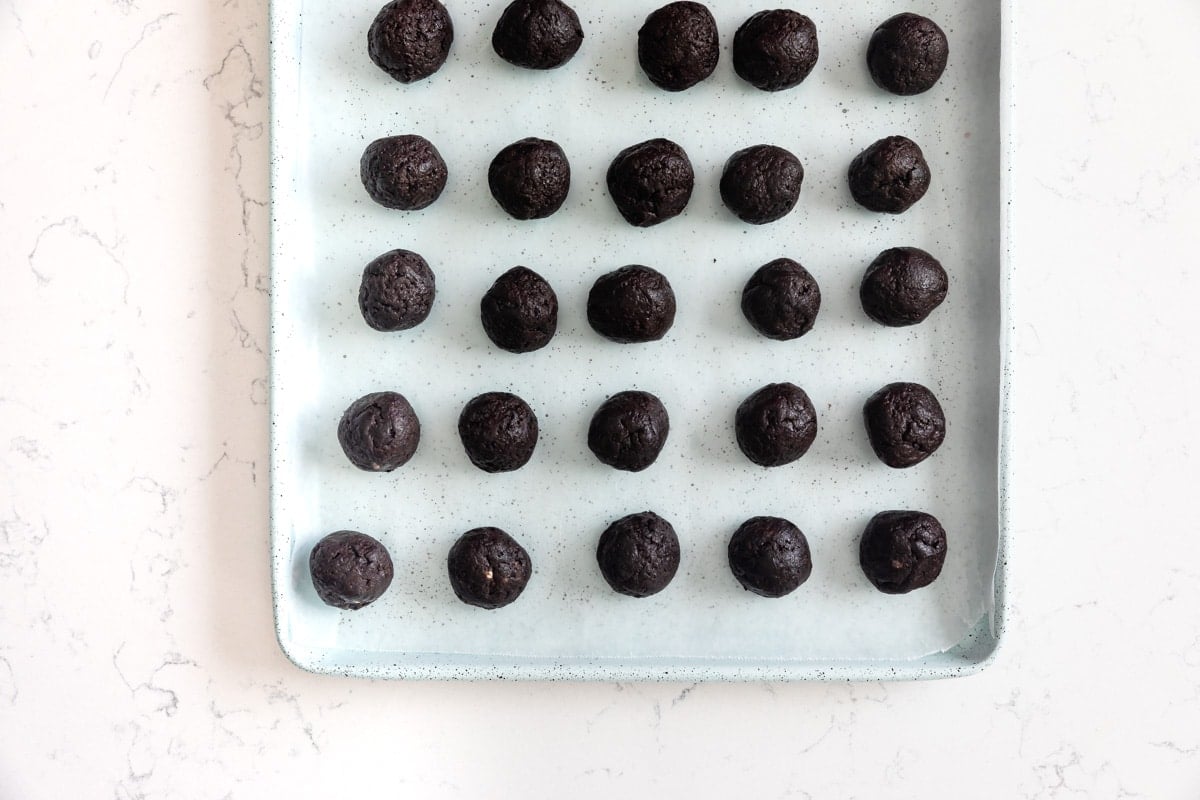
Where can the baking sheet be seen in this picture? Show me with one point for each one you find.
(329, 101)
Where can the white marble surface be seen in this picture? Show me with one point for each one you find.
(136, 652)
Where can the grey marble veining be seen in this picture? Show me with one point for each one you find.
(137, 657)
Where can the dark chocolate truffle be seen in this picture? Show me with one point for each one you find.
(907, 54)
(639, 554)
(781, 300)
(890, 176)
(761, 183)
(902, 550)
(769, 556)
(905, 424)
(651, 182)
(410, 39)
(537, 34)
(632, 304)
(776, 425)
(488, 568)
(350, 570)
(520, 311)
(775, 50)
(379, 432)
(499, 432)
(678, 45)
(397, 291)
(530, 178)
(629, 431)
(903, 286)
(403, 172)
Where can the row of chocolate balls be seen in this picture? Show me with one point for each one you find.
(678, 44)
(774, 426)
(636, 304)
(650, 182)
(638, 556)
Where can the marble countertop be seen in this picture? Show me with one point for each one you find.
(137, 658)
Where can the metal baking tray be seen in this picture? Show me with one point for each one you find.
(328, 101)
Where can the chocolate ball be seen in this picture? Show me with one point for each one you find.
(775, 50)
(905, 424)
(907, 54)
(628, 432)
(410, 39)
(403, 172)
(902, 550)
(769, 556)
(781, 300)
(350, 570)
(639, 554)
(903, 286)
(379, 432)
(651, 182)
(632, 304)
(537, 34)
(520, 311)
(678, 46)
(488, 569)
(397, 291)
(761, 184)
(776, 425)
(890, 176)
(499, 431)
(530, 178)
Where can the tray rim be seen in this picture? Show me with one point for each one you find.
(975, 653)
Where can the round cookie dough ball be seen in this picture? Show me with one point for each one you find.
(890, 176)
(537, 34)
(769, 556)
(520, 311)
(903, 286)
(639, 554)
(678, 46)
(632, 304)
(410, 39)
(776, 425)
(781, 300)
(499, 431)
(397, 291)
(379, 432)
(488, 569)
(905, 424)
(403, 172)
(530, 178)
(902, 550)
(651, 182)
(907, 54)
(629, 431)
(350, 570)
(761, 183)
(775, 50)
